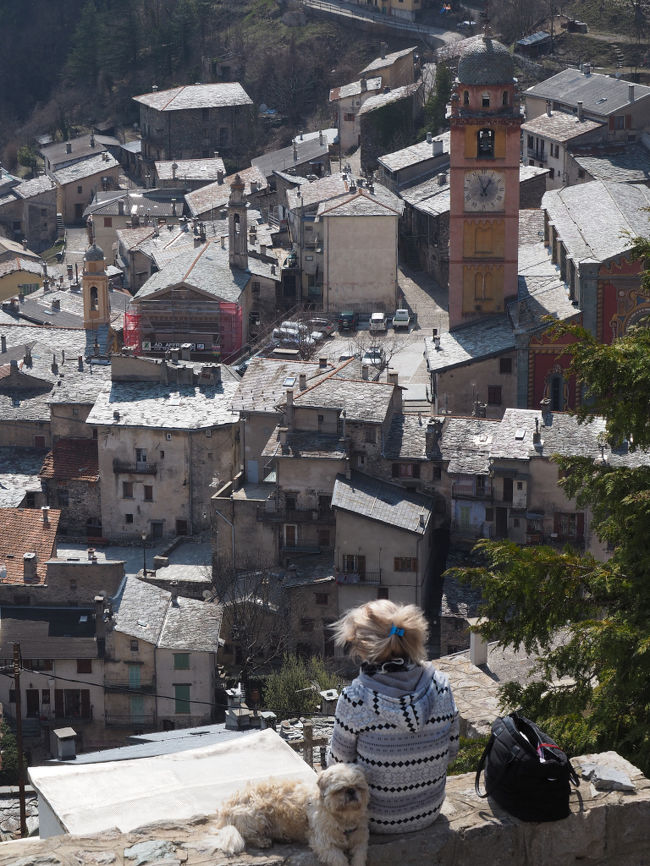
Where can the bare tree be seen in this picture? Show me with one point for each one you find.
(377, 350)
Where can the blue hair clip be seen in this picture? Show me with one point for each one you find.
(398, 631)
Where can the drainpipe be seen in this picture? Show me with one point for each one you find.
(232, 532)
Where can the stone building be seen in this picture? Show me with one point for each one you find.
(382, 115)
(192, 121)
(76, 184)
(395, 69)
(70, 478)
(28, 210)
(167, 437)
(548, 138)
(27, 541)
(347, 100)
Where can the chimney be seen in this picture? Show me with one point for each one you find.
(423, 521)
(80, 363)
(364, 372)
(154, 88)
(630, 93)
(24, 243)
(537, 436)
(174, 201)
(429, 137)
(587, 68)
(68, 147)
(478, 649)
(393, 377)
(579, 104)
(322, 363)
(174, 170)
(295, 150)
(219, 175)
(320, 137)
(186, 348)
(223, 242)
(120, 208)
(437, 147)
(13, 366)
(262, 249)
(547, 414)
(56, 305)
(30, 561)
(549, 113)
(364, 84)
(28, 356)
(479, 410)
(302, 381)
(45, 511)
(383, 47)
(173, 588)
(283, 437)
(289, 408)
(175, 353)
(3, 344)
(55, 366)
(92, 139)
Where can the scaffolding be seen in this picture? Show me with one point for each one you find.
(132, 333)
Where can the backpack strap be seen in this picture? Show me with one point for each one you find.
(479, 769)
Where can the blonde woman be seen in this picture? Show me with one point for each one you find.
(397, 720)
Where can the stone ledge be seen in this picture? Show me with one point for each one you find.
(605, 828)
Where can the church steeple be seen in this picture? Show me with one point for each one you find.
(237, 226)
(97, 307)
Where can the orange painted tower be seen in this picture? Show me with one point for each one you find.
(484, 184)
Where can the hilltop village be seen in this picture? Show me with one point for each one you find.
(240, 399)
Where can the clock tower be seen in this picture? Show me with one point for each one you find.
(484, 184)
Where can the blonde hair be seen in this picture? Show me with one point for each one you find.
(368, 635)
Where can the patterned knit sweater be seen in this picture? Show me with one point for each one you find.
(402, 729)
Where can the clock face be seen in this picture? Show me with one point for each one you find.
(484, 190)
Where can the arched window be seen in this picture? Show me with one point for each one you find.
(485, 100)
(485, 143)
(483, 239)
(504, 98)
(94, 298)
(465, 97)
(482, 286)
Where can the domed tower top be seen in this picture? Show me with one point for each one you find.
(485, 61)
(94, 254)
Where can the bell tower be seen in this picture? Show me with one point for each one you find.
(97, 306)
(237, 226)
(484, 184)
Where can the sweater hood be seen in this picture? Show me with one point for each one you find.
(405, 699)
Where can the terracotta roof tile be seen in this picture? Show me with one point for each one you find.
(22, 531)
(72, 460)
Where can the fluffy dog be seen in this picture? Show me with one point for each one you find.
(331, 815)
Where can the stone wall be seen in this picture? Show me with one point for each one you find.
(605, 828)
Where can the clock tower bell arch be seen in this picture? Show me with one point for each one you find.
(484, 184)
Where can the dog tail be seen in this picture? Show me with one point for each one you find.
(229, 840)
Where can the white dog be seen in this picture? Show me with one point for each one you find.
(331, 815)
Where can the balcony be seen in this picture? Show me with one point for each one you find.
(136, 468)
(353, 577)
(467, 490)
(537, 155)
(293, 515)
(122, 684)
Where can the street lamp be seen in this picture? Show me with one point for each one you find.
(144, 554)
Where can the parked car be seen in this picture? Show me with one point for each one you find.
(322, 327)
(374, 355)
(378, 322)
(348, 320)
(401, 319)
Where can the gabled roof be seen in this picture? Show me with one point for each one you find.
(19, 468)
(190, 169)
(361, 400)
(560, 126)
(192, 96)
(146, 612)
(264, 383)
(302, 150)
(387, 98)
(615, 163)
(596, 221)
(214, 196)
(388, 60)
(355, 88)
(600, 94)
(422, 151)
(72, 460)
(85, 168)
(22, 530)
(360, 203)
(384, 502)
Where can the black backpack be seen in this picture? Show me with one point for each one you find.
(525, 771)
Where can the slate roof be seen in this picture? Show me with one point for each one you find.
(560, 126)
(354, 89)
(627, 164)
(20, 264)
(465, 443)
(600, 94)
(327, 191)
(22, 531)
(146, 612)
(214, 196)
(85, 168)
(485, 61)
(35, 186)
(166, 407)
(48, 632)
(19, 474)
(388, 60)
(561, 434)
(205, 268)
(307, 150)
(361, 203)
(306, 443)
(595, 220)
(192, 96)
(384, 502)
(57, 152)
(382, 99)
(415, 153)
(481, 339)
(406, 438)
(135, 202)
(263, 385)
(190, 169)
(72, 460)
(361, 400)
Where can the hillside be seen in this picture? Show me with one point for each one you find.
(99, 53)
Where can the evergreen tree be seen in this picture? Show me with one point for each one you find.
(435, 108)
(83, 60)
(601, 609)
(292, 690)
